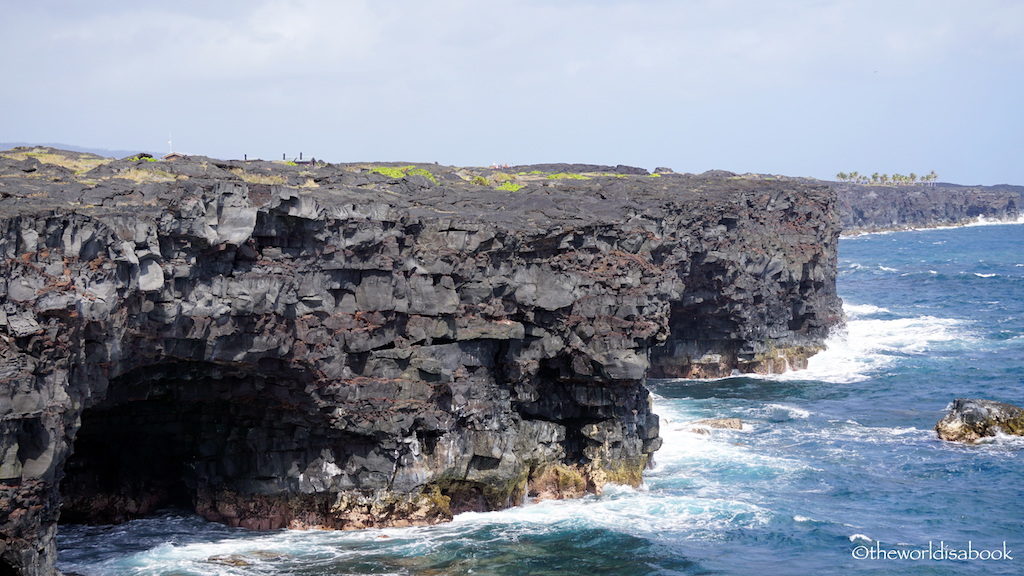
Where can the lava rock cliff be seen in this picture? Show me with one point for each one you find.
(343, 346)
(876, 208)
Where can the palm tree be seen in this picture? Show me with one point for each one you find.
(841, 176)
(913, 178)
(874, 178)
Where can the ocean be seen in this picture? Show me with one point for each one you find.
(837, 469)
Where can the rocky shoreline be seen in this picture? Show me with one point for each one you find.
(320, 345)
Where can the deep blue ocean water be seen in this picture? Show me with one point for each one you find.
(830, 459)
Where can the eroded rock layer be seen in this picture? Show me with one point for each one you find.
(347, 346)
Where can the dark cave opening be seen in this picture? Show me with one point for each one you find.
(167, 433)
(131, 460)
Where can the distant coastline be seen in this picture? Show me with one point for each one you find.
(979, 221)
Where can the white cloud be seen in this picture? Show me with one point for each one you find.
(451, 79)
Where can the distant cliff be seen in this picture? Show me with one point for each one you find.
(875, 208)
(297, 345)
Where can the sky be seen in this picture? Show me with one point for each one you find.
(795, 87)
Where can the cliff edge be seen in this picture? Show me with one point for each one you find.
(343, 346)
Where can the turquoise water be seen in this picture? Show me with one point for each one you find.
(831, 459)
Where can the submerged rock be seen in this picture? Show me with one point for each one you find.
(968, 420)
(720, 423)
(348, 346)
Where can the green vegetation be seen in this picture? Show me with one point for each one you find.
(877, 179)
(144, 157)
(403, 171)
(481, 181)
(655, 175)
(567, 176)
(509, 186)
(422, 172)
(389, 171)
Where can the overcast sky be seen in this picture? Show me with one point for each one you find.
(800, 87)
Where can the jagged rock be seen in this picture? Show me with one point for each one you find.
(346, 346)
(968, 420)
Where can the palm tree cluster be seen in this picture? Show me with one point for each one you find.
(877, 179)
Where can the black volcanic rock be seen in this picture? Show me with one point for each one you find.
(875, 208)
(969, 420)
(344, 346)
(581, 168)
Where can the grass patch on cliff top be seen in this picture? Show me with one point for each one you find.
(146, 175)
(567, 176)
(399, 172)
(253, 178)
(509, 186)
(79, 164)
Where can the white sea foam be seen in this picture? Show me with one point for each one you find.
(701, 458)
(979, 221)
(861, 537)
(857, 266)
(641, 513)
(702, 512)
(782, 412)
(867, 345)
(799, 518)
(980, 275)
(853, 432)
(1002, 440)
(858, 310)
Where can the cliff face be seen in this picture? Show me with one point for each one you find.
(347, 346)
(874, 208)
